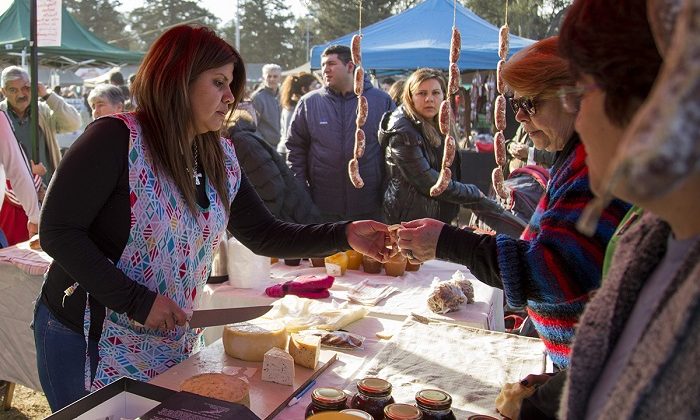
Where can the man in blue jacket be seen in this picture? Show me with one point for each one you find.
(321, 140)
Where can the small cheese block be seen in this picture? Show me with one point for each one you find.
(305, 349)
(251, 340)
(278, 366)
(217, 385)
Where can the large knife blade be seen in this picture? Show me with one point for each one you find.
(212, 317)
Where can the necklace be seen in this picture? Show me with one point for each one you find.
(195, 170)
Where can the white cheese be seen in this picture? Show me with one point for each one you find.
(305, 349)
(251, 340)
(278, 366)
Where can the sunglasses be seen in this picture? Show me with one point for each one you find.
(524, 103)
(571, 96)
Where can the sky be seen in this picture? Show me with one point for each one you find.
(223, 9)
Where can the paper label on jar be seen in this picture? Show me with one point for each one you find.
(333, 269)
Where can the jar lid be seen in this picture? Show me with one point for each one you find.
(433, 399)
(402, 412)
(328, 396)
(374, 387)
(358, 413)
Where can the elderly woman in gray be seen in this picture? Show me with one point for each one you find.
(106, 100)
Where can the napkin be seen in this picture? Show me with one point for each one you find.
(368, 294)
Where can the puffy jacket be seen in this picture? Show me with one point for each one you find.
(282, 193)
(321, 140)
(413, 166)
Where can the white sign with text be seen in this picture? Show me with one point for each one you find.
(48, 23)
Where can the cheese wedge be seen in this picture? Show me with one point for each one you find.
(278, 366)
(217, 385)
(251, 340)
(305, 349)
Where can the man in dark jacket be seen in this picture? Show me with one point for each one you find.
(321, 140)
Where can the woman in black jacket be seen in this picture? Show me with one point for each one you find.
(413, 151)
(267, 171)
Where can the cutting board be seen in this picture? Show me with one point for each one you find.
(267, 399)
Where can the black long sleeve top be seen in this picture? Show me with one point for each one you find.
(85, 224)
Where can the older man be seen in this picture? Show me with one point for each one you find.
(267, 104)
(55, 115)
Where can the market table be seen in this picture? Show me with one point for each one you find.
(21, 276)
(481, 361)
(413, 290)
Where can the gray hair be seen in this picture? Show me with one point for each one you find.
(109, 92)
(267, 68)
(13, 73)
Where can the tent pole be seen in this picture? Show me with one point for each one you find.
(34, 77)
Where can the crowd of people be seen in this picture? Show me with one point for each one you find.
(607, 267)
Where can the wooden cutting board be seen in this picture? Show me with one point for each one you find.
(267, 399)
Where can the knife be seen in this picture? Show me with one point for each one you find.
(212, 317)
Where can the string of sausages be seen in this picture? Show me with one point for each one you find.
(499, 140)
(445, 117)
(362, 109)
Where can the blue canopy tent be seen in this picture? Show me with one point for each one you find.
(420, 37)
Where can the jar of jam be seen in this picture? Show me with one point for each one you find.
(357, 413)
(326, 399)
(435, 404)
(402, 412)
(373, 394)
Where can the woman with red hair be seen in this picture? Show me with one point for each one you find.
(134, 212)
(553, 267)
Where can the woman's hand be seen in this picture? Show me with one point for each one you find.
(370, 238)
(418, 239)
(165, 314)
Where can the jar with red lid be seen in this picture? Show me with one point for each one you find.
(326, 399)
(373, 394)
(435, 404)
(402, 412)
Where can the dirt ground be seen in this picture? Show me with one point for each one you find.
(26, 404)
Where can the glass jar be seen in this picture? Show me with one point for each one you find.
(326, 399)
(402, 412)
(434, 404)
(358, 413)
(373, 394)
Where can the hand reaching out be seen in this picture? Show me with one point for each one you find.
(370, 238)
(165, 314)
(38, 168)
(418, 239)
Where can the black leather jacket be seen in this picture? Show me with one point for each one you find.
(412, 167)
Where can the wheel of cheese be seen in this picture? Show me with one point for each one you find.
(219, 386)
(251, 340)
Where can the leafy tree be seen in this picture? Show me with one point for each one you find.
(266, 33)
(101, 18)
(157, 16)
(535, 19)
(339, 17)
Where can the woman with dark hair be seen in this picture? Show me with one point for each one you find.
(293, 88)
(413, 152)
(134, 213)
(552, 268)
(638, 341)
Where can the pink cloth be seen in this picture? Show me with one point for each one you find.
(312, 287)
